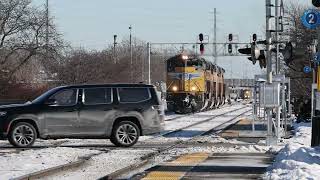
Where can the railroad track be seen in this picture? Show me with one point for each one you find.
(170, 133)
(188, 115)
(147, 159)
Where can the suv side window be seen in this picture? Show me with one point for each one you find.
(132, 95)
(93, 96)
(66, 97)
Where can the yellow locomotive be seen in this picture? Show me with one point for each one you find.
(194, 84)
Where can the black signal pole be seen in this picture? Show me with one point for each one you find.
(315, 135)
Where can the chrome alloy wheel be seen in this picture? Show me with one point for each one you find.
(127, 134)
(23, 135)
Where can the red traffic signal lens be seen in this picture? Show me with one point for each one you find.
(254, 37)
(201, 48)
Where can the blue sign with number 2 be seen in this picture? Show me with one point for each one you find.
(310, 19)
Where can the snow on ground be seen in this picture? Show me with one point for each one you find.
(103, 164)
(297, 160)
(193, 118)
(13, 165)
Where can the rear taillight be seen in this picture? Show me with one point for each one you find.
(158, 108)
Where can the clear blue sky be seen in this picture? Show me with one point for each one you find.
(92, 23)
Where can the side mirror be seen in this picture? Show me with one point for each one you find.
(51, 102)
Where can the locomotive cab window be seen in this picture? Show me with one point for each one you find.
(173, 63)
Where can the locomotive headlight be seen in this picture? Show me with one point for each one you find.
(185, 57)
(194, 88)
(175, 88)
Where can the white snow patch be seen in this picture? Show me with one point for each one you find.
(104, 164)
(13, 165)
(297, 160)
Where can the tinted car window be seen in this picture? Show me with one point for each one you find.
(133, 94)
(97, 96)
(65, 97)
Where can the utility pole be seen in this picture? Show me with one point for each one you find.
(315, 136)
(269, 69)
(215, 36)
(277, 18)
(114, 49)
(47, 29)
(277, 29)
(131, 63)
(149, 62)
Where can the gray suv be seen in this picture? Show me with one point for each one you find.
(120, 112)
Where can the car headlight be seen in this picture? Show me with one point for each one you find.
(3, 113)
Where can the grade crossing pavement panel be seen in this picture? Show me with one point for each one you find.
(176, 169)
(212, 166)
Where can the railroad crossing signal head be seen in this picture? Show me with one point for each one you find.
(316, 3)
(255, 55)
(288, 53)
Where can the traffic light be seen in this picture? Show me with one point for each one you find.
(254, 37)
(316, 3)
(201, 48)
(229, 48)
(201, 37)
(230, 37)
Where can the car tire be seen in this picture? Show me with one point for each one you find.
(22, 135)
(125, 134)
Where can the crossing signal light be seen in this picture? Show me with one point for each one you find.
(201, 48)
(288, 53)
(230, 37)
(201, 37)
(230, 48)
(316, 3)
(255, 55)
(254, 37)
(262, 60)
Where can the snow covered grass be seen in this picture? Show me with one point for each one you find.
(297, 160)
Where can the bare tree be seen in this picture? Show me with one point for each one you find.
(301, 37)
(22, 37)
